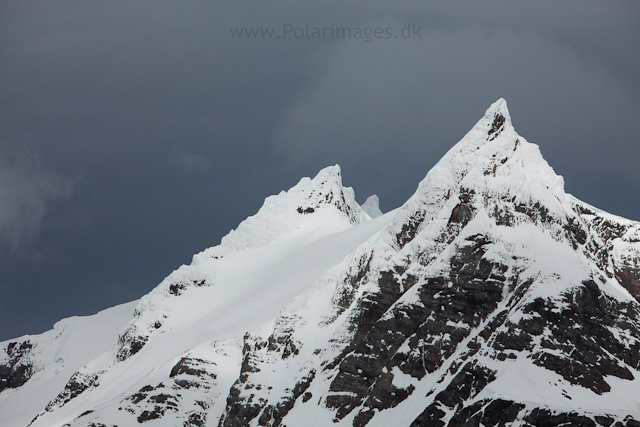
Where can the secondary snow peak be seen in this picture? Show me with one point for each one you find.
(326, 189)
(372, 206)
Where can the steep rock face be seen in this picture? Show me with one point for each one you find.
(491, 297)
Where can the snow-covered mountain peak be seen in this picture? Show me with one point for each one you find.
(490, 165)
(326, 189)
(283, 213)
(498, 107)
(493, 157)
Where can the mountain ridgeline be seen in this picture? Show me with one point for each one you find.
(490, 298)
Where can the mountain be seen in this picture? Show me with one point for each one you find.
(491, 297)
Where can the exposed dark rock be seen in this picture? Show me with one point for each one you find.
(152, 403)
(465, 297)
(190, 366)
(239, 411)
(582, 329)
(177, 288)
(503, 216)
(131, 342)
(196, 419)
(462, 214)
(604, 420)
(18, 368)
(487, 413)
(272, 415)
(630, 422)
(345, 293)
(431, 417)
(626, 270)
(537, 212)
(544, 417)
(628, 275)
(497, 126)
(466, 384)
(410, 228)
(575, 230)
(501, 412)
(242, 405)
(154, 414)
(186, 384)
(77, 384)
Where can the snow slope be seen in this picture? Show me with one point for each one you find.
(56, 355)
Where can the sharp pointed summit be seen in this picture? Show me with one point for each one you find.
(490, 297)
(498, 108)
(491, 163)
(495, 120)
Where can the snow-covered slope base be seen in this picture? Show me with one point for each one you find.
(491, 297)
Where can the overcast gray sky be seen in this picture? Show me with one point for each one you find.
(134, 134)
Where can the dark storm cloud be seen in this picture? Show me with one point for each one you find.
(172, 131)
